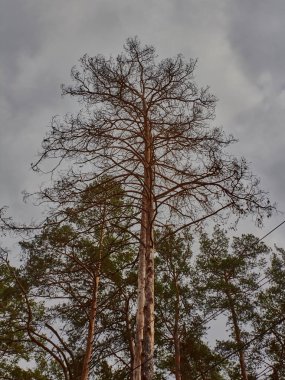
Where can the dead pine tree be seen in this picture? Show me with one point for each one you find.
(145, 124)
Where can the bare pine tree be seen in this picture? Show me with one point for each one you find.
(145, 124)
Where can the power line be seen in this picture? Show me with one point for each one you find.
(217, 313)
(270, 232)
(264, 372)
(245, 345)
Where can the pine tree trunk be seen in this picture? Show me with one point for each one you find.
(237, 334)
(243, 370)
(144, 363)
(176, 334)
(129, 335)
(141, 298)
(93, 306)
(148, 343)
(91, 331)
(177, 357)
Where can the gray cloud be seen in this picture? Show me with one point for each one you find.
(18, 23)
(239, 45)
(255, 34)
(256, 31)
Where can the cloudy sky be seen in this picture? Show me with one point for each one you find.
(241, 55)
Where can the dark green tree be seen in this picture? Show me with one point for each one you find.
(181, 350)
(271, 346)
(73, 270)
(226, 282)
(15, 344)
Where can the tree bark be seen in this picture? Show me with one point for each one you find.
(141, 298)
(177, 357)
(148, 343)
(91, 331)
(129, 334)
(237, 334)
(93, 306)
(176, 334)
(149, 178)
(144, 363)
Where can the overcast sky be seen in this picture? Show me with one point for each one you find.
(239, 45)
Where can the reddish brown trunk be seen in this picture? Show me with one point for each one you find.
(243, 370)
(237, 334)
(129, 334)
(144, 365)
(148, 342)
(91, 331)
(177, 357)
(176, 334)
(93, 306)
(141, 298)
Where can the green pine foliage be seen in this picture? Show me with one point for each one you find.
(48, 298)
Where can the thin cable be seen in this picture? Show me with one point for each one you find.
(264, 372)
(214, 315)
(217, 313)
(245, 345)
(274, 229)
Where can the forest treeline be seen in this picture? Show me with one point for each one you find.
(119, 280)
(76, 290)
